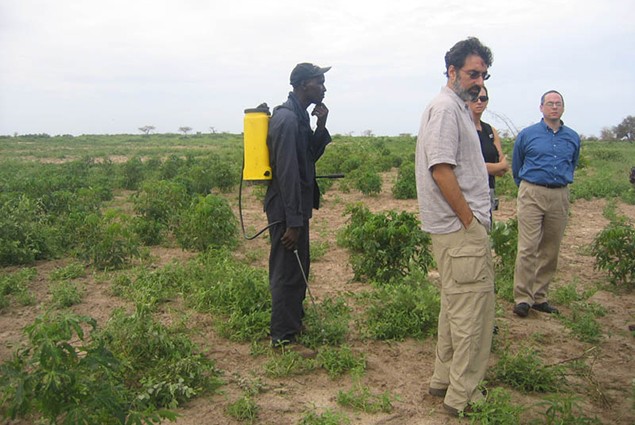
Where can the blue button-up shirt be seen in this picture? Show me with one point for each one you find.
(544, 157)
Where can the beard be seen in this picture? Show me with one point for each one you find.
(466, 94)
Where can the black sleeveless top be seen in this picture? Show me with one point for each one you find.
(490, 153)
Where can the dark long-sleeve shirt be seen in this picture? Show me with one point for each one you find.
(293, 151)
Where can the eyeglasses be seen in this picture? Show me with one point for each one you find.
(481, 98)
(474, 75)
(552, 104)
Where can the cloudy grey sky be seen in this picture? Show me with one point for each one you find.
(112, 66)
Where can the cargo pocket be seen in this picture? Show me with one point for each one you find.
(468, 264)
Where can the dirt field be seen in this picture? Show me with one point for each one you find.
(402, 368)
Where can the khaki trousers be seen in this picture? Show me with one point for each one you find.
(466, 319)
(542, 218)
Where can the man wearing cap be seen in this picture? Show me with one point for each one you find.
(454, 205)
(294, 149)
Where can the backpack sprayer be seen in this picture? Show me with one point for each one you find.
(256, 165)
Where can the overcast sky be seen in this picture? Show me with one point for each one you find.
(112, 66)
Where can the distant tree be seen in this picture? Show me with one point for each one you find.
(626, 129)
(185, 130)
(212, 130)
(607, 134)
(146, 129)
(368, 133)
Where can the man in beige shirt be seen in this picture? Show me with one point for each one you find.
(454, 203)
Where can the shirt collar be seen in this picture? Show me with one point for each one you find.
(546, 127)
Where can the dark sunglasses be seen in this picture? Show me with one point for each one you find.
(475, 74)
(481, 98)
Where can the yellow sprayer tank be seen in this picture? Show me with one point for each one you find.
(256, 166)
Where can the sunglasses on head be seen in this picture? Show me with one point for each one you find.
(481, 98)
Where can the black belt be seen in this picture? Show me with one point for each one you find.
(550, 186)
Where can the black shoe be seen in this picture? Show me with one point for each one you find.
(457, 413)
(437, 392)
(546, 308)
(521, 309)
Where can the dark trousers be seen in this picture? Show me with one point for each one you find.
(286, 283)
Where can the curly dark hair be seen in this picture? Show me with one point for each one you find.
(460, 51)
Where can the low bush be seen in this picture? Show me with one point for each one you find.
(16, 285)
(326, 323)
(339, 360)
(161, 364)
(361, 398)
(563, 409)
(496, 409)
(69, 375)
(397, 312)
(405, 186)
(385, 247)
(108, 241)
(209, 222)
(525, 371)
(614, 251)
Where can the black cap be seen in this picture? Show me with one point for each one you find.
(306, 71)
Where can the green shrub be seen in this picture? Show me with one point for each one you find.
(25, 235)
(496, 409)
(614, 251)
(108, 242)
(69, 376)
(225, 174)
(361, 398)
(132, 173)
(160, 201)
(288, 363)
(563, 409)
(162, 364)
(243, 409)
(326, 323)
(17, 285)
(339, 360)
(396, 312)
(70, 271)
(209, 222)
(367, 181)
(583, 324)
(149, 232)
(65, 294)
(385, 247)
(568, 294)
(236, 294)
(504, 237)
(406, 185)
(525, 371)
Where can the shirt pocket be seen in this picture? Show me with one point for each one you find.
(468, 264)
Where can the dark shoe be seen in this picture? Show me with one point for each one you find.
(546, 308)
(455, 412)
(437, 392)
(303, 351)
(521, 309)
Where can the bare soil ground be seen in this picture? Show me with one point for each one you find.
(403, 368)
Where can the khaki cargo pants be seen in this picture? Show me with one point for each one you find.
(466, 319)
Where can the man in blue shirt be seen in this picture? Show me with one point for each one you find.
(545, 156)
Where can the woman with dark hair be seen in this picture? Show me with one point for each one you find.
(495, 160)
